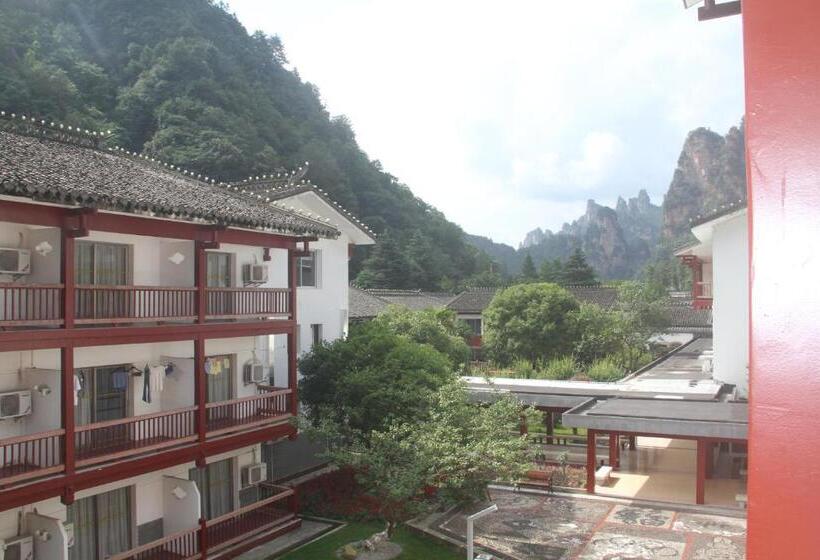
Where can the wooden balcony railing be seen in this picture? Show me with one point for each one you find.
(133, 304)
(273, 508)
(41, 454)
(232, 303)
(271, 511)
(31, 456)
(41, 304)
(179, 546)
(30, 304)
(703, 290)
(112, 439)
(271, 405)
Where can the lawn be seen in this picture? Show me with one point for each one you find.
(415, 546)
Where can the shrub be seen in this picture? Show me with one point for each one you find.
(522, 369)
(605, 369)
(560, 368)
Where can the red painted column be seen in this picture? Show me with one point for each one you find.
(201, 280)
(700, 474)
(200, 389)
(523, 428)
(591, 461)
(292, 350)
(67, 359)
(550, 423)
(613, 450)
(782, 58)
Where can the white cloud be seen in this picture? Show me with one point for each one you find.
(507, 116)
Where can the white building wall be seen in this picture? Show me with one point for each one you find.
(730, 312)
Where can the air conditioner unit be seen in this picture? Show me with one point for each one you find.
(254, 474)
(255, 273)
(15, 261)
(15, 404)
(18, 548)
(69, 534)
(255, 372)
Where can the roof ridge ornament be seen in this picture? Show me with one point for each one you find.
(28, 125)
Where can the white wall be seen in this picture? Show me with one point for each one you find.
(181, 510)
(730, 311)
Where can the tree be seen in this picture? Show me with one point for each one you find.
(529, 321)
(551, 271)
(437, 327)
(598, 333)
(370, 379)
(528, 273)
(643, 313)
(577, 270)
(386, 267)
(456, 451)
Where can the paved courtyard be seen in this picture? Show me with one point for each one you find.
(531, 526)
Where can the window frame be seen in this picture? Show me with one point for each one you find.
(315, 259)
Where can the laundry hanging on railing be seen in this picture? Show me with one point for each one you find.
(215, 366)
(154, 379)
(78, 386)
(119, 378)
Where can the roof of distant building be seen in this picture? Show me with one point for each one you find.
(476, 300)
(367, 303)
(56, 164)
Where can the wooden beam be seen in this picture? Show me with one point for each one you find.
(200, 390)
(11, 341)
(292, 338)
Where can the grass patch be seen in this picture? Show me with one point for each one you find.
(414, 546)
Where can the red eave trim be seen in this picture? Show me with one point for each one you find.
(106, 336)
(56, 216)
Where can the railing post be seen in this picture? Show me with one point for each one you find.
(67, 278)
(200, 390)
(203, 538)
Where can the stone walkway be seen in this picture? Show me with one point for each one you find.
(532, 526)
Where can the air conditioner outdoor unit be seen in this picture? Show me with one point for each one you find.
(255, 273)
(69, 534)
(15, 261)
(17, 548)
(254, 474)
(15, 404)
(255, 372)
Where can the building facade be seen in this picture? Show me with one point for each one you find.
(138, 305)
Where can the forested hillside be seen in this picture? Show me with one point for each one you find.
(185, 82)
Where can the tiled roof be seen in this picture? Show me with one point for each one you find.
(605, 296)
(274, 189)
(51, 166)
(362, 305)
(683, 317)
(715, 213)
(366, 304)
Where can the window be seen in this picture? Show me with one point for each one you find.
(101, 264)
(475, 325)
(215, 483)
(307, 270)
(102, 525)
(316, 334)
(219, 270)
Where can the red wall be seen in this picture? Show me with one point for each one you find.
(782, 58)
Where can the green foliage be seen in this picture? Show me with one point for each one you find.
(560, 368)
(529, 321)
(576, 270)
(370, 380)
(457, 449)
(528, 273)
(605, 369)
(437, 327)
(598, 332)
(184, 82)
(551, 271)
(523, 369)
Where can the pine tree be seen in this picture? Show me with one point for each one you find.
(528, 273)
(577, 269)
(551, 271)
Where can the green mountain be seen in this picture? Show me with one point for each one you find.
(184, 82)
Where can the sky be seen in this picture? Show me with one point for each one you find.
(508, 116)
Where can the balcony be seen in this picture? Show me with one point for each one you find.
(41, 454)
(40, 305)
(702, 293)
(274, 512)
